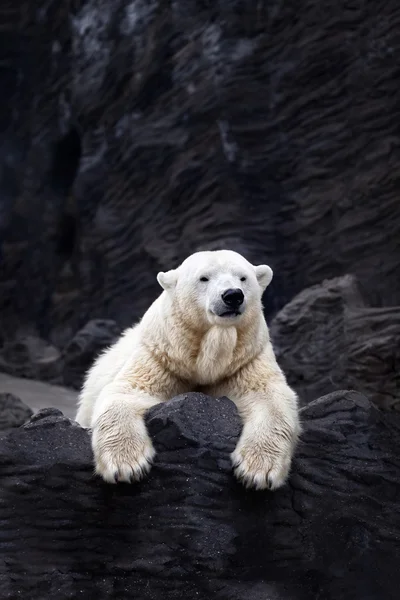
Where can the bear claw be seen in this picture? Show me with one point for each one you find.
(260, 472)
(121, 464)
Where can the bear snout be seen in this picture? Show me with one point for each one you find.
(233, 297)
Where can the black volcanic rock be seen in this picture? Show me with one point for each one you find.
(328, 337)
(32, 357)
(134, 133)
(84, 348)
(13, 412)
(190, 530)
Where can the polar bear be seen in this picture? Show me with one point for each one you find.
(205, 332)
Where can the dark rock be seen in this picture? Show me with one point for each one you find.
(47, 415)
(85, 346)
(134, 133)
(327, 337)
(13, 412)
(190, 530)
(32, 357)
(38, 394)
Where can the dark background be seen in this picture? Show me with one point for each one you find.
(135, 133)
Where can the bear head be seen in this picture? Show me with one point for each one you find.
(216, 288)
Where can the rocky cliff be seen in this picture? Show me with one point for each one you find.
(133, 133)
(190, 530)
(329, 335)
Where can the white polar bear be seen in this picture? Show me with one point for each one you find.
(205, 332)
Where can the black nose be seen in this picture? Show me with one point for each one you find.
(233, 298)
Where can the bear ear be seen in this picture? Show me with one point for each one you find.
(264, 275)
(168, 280)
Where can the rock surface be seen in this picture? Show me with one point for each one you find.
(134, 133)
(28, 355)
(190, 530)
(38, 395)
(13, 412)
(327, 337)
(85, 346)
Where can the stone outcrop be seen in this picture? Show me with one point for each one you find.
(13, 412)
(37, 395)
(328, 337)
(85, 346)
(190, 530)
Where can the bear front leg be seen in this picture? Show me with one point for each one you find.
(122, 448)
(263, 455)
(271, 427)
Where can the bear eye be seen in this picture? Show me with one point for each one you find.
(203, 278)
(243, 279)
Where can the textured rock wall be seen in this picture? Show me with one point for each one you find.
(190, 530)
(328, 336)
(13, 412)
(133, 133)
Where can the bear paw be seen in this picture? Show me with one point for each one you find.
(259, 468)
(122, 458)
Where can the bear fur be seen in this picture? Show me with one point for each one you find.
(205, 332)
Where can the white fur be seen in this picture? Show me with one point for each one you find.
(184, 343)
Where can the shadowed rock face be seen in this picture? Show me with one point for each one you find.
(134, 133)
(328, 335)
(13, 412)
(190, 530)
(85, 346)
